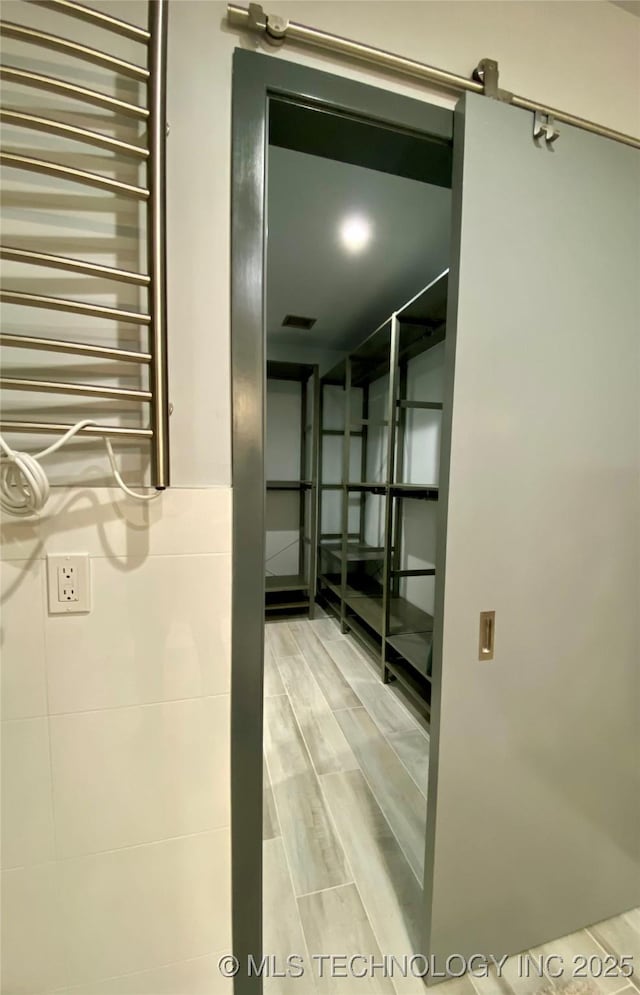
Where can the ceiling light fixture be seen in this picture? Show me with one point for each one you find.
(355, 233)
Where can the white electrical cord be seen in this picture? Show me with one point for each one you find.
(24, 485)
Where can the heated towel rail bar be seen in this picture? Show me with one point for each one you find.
(152, 195)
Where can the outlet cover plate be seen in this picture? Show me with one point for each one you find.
(69, 584)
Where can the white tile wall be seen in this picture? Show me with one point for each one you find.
(133, 909)
(103, 522)
(199, 976)
(23, 679)
(26, 810)
(115, 749)
(124, 776)
(120, 655)
(33, 957)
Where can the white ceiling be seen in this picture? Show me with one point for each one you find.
(310, 273)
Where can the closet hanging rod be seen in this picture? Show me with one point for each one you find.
(33, 165)
(75, 389)
(279, 29)
(58, 428)
(73, 348)
(72, 265)
(97, 18)
(74, 307)
(19, 32)
(19, 119)
(51, 84)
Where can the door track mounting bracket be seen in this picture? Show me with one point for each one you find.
(272, 26)
(487, 73)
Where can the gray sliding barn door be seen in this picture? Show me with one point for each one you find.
(534, 826)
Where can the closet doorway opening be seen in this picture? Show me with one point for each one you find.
(354, 199)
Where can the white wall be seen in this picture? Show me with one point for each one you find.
(105, 933)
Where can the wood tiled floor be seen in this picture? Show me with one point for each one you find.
(345, 806)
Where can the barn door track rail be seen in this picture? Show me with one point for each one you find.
(276, 30)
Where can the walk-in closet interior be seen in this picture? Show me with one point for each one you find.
(357, 274)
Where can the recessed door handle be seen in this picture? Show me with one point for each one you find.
(487, 635)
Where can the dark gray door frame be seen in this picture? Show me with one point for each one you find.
(256, 78)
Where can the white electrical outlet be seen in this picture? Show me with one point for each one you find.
(69, 584)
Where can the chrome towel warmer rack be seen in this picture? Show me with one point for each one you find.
(153, 154)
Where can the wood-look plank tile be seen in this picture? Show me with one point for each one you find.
(315, 856)
(524, 973)
(413, 750)
(314, 853)
(353, 665)
(621, 936)
(335, 922)
(389, 889)
(455, 986)
(400, 800)
(272, 682)
(284, 747)
(270, 824)
(323, 736)
(333, 684)
(568, 948)
(282, 928)
(388, 713)
(420, 718)
(325, 629)
(513, 979)
(279, 639)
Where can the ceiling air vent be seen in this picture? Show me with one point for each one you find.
(297, 321)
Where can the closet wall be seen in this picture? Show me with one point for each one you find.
(303, 353)
(425, 381)
(331, 455)
(282, 462)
